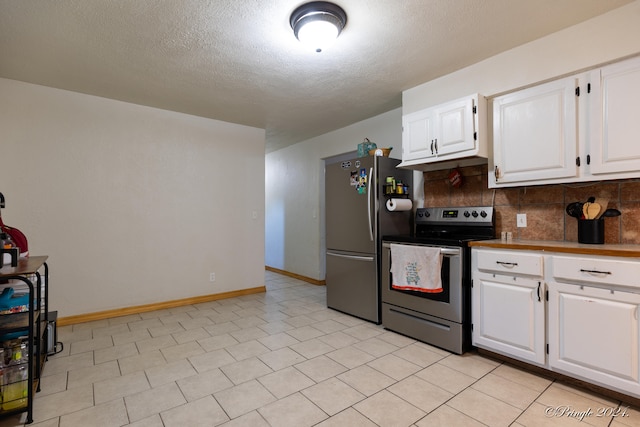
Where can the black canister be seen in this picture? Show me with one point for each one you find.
(591, 231)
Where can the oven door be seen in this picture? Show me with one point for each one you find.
(445, 305)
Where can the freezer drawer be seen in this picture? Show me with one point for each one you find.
(352, 285)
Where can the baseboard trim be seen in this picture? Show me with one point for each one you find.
(107, 314)
(296, 276)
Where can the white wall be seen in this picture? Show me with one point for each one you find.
(294, 213)
(295, 237)
(603, 39)
(133, 205)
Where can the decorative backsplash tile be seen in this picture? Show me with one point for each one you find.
(544, 204)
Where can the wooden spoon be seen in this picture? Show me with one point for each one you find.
(585, 210)
(593, 210)
(603, 206)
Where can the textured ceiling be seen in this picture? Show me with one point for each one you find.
(238, 61)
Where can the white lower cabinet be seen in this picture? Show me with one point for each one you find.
(497, 298)
(508, 304)
(573, 314)
(593, 334)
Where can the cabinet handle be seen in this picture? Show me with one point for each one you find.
(507, 264)
(432, 147)
(496, 173)
(582, 270)
(436, 145)
(539, 292)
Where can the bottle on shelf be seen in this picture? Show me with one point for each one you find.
(8, 245)
(15, 375)
(7, 242)
(14, 387)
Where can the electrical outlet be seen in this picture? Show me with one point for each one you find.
(521, 220)
(212, 277)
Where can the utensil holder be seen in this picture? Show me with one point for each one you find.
(591, 231)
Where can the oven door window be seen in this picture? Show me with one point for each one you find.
(446, 278)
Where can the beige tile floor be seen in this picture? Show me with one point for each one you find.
(283, 359)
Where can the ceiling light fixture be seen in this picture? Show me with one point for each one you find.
(318, 23)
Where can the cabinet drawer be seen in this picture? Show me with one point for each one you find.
(510, 262)
(608, 271)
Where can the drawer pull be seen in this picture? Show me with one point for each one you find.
(507, 264)
(582, 270)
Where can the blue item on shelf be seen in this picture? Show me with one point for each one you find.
(7, 300)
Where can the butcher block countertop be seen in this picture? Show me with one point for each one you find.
(631, 251)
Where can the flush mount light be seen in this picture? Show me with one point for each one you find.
(318, 23)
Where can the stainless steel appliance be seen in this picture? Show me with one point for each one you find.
(441, 319)
(356, 218)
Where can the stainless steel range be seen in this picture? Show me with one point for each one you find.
(441, 317)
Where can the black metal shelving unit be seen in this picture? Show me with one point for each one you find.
(34, 273)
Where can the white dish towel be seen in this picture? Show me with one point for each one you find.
(416, 268)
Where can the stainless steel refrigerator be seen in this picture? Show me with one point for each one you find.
(356, 219)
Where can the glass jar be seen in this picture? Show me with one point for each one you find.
(14, 387)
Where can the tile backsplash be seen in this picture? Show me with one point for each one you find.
(544, 205)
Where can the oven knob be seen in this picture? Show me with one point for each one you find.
(474, 214)
(483, 214)
(466, 214)
(427, 214)
(420, 214)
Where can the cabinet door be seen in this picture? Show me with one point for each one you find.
(417, 135)
(455, 127)
(534, 133)
(615, 109)
(508, 316)
(593, 334)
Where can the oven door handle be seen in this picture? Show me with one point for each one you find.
(443, 251)
(449, 251)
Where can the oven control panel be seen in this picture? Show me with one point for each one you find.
(479, 215)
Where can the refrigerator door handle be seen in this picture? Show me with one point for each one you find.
(354, 257)
(369, 204)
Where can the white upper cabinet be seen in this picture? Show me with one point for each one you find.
(455, 127)
(417, 135)
(445, 132)
(615, 118)
(579, 128)
(534, 133)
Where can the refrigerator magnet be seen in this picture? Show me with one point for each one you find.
(353, 180)
(362, 181)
